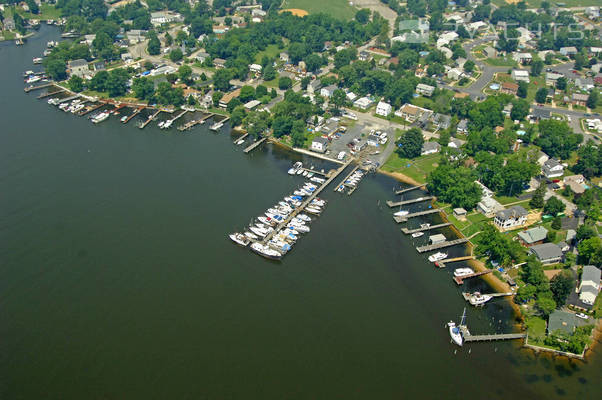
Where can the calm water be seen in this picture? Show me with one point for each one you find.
(117, 279)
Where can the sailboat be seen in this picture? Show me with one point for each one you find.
(454, 330)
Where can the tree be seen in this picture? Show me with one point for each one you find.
(304, 82)
(592, 100)
(185, 74)
(216, 97)
(541, 95)
(557, 139)
(444, 138)
(56, 69)
(285, 83)
(553, 206)
(33, 6)
(590, 251)
(363, 16)
(117, 82)
(282, 125)
(523, 88)
(537, 200)
(469, 66)
(561, 83)
(143, 88)
(556, 223)
(154, 45)
(237, 115)
(536, 67)
(545, 305)
(339, 98)
(313, 62)
(221, 79)
(175, 55)
(247, 93)
(76, 83)
(561, 286)
(191, 100)
(269, 73)
(520, 109)
(409, 145)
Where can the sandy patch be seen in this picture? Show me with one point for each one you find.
(296, 11)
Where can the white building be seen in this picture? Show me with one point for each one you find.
(319, 144)
(164, 17)
(425, 90)
(590, 284)
(552, 168)
(520, 75)
(255, 68)
(383, 109)
(363, 103)
(512, 217)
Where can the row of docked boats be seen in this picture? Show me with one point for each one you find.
(73, 107)
(273, 233)
(352, 181)
(165, 124)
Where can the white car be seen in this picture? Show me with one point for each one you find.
(341, 155)
(582, 316)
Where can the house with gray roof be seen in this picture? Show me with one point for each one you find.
(533, 236)
(512, 217)
(562, 322)
(430, 148)
(78, 67)
(590, 284)
(552, 168)
(547, 253)
(462, 126)
(441, 121)
(314, 86)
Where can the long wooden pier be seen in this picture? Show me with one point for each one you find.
(90, 108)
(347, 177)
(243, 137)
(254, 145)
(66, 99)
(48, 94)
(405, 218)
(441, 264)
(468, 337)
(402, 191)
(460, 279)
(426, 228)
(195, 122)
(306, 202)
(30, 88)
(430, 247)
(404, 202)
(132, 115)
(152, 117)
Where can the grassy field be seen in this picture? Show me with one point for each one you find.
(417, 169)
(501, 62)
(336, 8)
(271, 51)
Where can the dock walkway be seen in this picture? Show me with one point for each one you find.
(132, 115)
(426, 228)
(402, 191)
(347, 177)
(460, 279)
(306, 201)
(195, 122)
(30, 88)
(430, 247)
(442, 263)
(243, 137)
(66, 99)
(404, 202)
(405, 218)
(254, 145)
(152, 117)
(487, 338)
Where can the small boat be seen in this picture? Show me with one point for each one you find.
(124, 119)
(33, 79)
(290, 229)
(477, 299)
(299, 193)
(312, 210)
(304, 173)
(239, 142)
(251, 235)
(266, 220)
(299, 171)
(161, 124)
(27, 73)
(417, 234)
(424, 226)
(38, 60)
(298, 227)
(240, 239)
(454, 331)
(100, 117)
(259, 232)
(463, 272)
(216, 126)
(401, 213)
(437, 257)
(317, 180)
(292, 171)
(304, 217)
(265, 251)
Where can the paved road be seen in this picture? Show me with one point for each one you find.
(487, 71)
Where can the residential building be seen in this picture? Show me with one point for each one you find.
(460, 213)
(126, 57)
(520, 75)
(425, 90)
(250, 105)
(547, 253)
(328, 90)
(462, 126)
(135, 36)
(98, 66)
(364, 56)
(512, 217)
(562, 322)
(227, 98)
(441, 121)
(284, 57)
(490, 52)
(219, 63)
(568, 51)
(509, 88)
(319, 144)
(579, 99)
(78, 67)
(539, 114)
(552, 78)
(410, 112)
(255, 68)
(454, 74)
(383, 109)
(533, 236)
(164, 17)
(363, 103)
(314, 86)
(522, 58)
(590, 284)
(430, 148)
(454, 143)
(592, 12)
(552, 169)
(201, 56)
(488, 206)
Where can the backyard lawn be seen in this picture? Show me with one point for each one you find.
(417, 169)
(271, 51)
(336, 8)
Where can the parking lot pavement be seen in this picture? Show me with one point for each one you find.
(355, 132)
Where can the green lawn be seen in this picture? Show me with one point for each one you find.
(501, 62)
(536, 327)
(417, 169)
(47, 11)
(336, 8)
(271, 51)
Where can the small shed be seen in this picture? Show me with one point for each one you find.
(437, 238)
(460, 213)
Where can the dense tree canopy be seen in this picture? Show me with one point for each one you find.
(455, 185)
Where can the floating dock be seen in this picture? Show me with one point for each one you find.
(411, 201)
(426, 228)
(442, 263)
(254, 145)
(430, 247)
(402, 191)
(45, 85)
(195, 122)
(405, 218)
(487, 338)
(460, 279)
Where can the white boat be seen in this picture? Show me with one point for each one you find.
(299, 228)
(304, 217)
(454, 331)
(167, 124)
(33, 79)
(478, 299)
(38, 60)
(304, 173)
(265, 251)
(161, 124)
(27, 73)
(425, 225)
(259, 232)
(417, 234)
(317, 179)
(251, 235)
(216, 126)
(240, 239)
(241, 141)
(291, 229)
(312, 210)
(437, 257)
(299, 193)
(292, 171)
(266, 220)
(100, 117)
(401, 213)
(299, 171)
(124, 118)
(463, 271)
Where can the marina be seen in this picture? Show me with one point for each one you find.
(404, 218)
(411, 201)
(424, 228)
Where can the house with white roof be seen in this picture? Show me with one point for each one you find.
(590, 284)
(552, 169)
(383, 109)
(520, 75)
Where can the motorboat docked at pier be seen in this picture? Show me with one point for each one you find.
(401, 213)
(100, 117)
(478, 299)
(240, 239)
(454, 330)
(437, 257)
(463, 272)
(417, 234)
(266, 251)
(216, 126)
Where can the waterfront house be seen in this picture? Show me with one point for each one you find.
(430, 148)
(462, 126)
(78, 67)
(512, 217)
(228, 97)
(364, 56)
(590, 284)
(520, 75)
(562, 322)
(319, 144)
(552, 168)
(488, 206)
(219, 63)
(509, 88)
(547, 253)
(533, 236)
(383, 109)
(425, 90)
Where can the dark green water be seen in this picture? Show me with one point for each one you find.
(117, 280)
